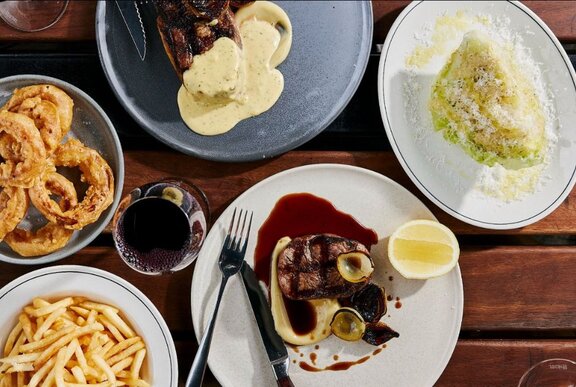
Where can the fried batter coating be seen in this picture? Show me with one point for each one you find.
(13, 207)
(27, 152)
(51, 93)
(99, 195)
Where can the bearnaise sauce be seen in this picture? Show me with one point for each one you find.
(228, 84)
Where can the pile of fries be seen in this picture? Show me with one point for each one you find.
(72, 342)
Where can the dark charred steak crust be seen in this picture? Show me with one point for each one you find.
(307, 267)
(190, 27)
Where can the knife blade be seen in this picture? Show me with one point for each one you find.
(131, 15)
(273, 343)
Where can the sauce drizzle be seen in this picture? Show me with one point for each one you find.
(286, 219)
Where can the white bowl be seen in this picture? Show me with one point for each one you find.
(161, 365)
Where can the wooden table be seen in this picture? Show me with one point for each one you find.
(519, 285)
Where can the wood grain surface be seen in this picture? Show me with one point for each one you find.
(77, 24)
(519, 285)
(223, 182)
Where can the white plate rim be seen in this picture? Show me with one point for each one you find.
(456, 275)
(390, 132)
(107, 276)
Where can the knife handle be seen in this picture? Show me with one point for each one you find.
(285, 381)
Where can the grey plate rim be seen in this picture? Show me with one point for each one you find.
(118, 178)
(111, 76)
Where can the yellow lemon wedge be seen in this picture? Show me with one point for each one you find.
(421, 249)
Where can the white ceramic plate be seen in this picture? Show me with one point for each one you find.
(91, 125)
(442, 171)
(428, 322)
(161, 367)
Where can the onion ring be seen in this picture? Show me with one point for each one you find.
(44, 241)
(52, 236)
(29, 153)
(46, 118)
(58, 97)
(13, 207)
(99, 195)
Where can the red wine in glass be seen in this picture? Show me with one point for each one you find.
(159, 228)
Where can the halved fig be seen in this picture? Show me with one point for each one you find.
(370, 302)
(355, 266)
(348, 324)
(378, 333)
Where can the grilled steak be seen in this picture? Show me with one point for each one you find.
(307, 267)
(190, 27)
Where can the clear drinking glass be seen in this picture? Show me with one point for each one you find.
(550, 373)
(160, 227)
(32, 15)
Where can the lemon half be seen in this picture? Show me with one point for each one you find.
(421, 249)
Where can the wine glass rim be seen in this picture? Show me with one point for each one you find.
(540, 363)
(56, 20)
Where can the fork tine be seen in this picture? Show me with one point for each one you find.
(243, 250)
(241, 233)
(228, 241)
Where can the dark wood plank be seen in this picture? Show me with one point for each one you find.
(500, 362)
(560, 16)
(525, 288)
(473, 363)
(224, 182)
(77, 24)
(502, 286)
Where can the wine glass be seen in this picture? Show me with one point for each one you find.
(32, 15)
(159, 227)
(550, 373)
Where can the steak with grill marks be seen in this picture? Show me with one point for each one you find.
(190, 27)
(307, 267)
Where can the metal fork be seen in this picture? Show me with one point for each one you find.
(230, 262)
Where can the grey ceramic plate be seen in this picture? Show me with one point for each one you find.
(330, 50)
(91, 126)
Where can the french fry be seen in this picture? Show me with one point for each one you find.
(42, 372)
(118, 323)
(121, 346)
(78, 374)
(44, 310)
(101, 363)
(20, 358)
(71, 342)
(97, 306)
(64, 354)
(21, 379)
(48, 323)
(26, 326)
(29, 347)
(53, 348)
(122, 364)
(111, 327)
(14, 351)
(125, 353)
(12, 336)
(137, 363)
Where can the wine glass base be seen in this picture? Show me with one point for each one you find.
(32, 15)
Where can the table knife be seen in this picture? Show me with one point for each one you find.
(275, 348)
(133, 20)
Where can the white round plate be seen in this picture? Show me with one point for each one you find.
(428, 321)
(161, 367)
(91, 125)
(442, 171)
